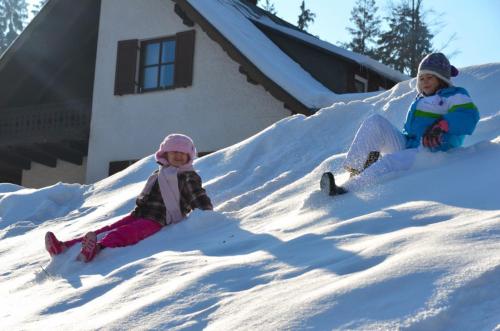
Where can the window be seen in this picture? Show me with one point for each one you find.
(155, 64)
(360, 84)
(117, 166)
(201, 154)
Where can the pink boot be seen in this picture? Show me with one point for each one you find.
(90, 247)
(52, 245)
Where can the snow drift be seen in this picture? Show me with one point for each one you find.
(418, 251)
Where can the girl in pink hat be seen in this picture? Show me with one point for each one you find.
(170, 193)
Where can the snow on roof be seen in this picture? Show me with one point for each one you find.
(229, 19)
(364, 60)
(234, 20)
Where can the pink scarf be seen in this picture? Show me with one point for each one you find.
(169, 188)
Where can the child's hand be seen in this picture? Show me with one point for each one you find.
(434, 134)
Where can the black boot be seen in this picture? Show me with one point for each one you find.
(327, 185)
(373, 157)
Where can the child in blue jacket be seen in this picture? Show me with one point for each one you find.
(438, 120)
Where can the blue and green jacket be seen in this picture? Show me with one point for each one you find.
(452, 104)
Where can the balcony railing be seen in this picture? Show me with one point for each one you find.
(48, 123)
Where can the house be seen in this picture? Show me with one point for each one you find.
(91, 86)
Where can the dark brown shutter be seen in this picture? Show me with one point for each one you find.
(184, 54)
(126, 63)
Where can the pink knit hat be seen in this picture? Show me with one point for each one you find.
(176, 142)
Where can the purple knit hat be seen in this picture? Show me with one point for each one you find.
(437, 64)
(176, 142)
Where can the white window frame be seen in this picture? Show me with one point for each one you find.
(363, 81)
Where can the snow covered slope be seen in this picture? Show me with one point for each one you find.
(418, 251)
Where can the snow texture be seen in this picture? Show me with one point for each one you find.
(418, 251)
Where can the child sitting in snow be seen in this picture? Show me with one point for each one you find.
(438, 119)
(169, 195)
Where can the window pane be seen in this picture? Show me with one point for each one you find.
(168, 52)
(167, 75)
(359, 86)
(150, 77)
(152, 54)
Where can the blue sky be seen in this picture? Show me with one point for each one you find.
(476, 24)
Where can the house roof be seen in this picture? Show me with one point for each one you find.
(46, 76)
(361, 59)
(233, 23)
(260, 16)
(54, 57)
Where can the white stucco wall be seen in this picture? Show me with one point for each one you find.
(40, 175)
(218, 110)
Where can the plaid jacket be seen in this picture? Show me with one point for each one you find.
(192, 195)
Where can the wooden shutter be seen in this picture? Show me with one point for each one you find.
(184, 55)
(126, 64)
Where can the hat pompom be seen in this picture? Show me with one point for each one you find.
(454, 71)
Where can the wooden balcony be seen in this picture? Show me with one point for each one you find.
(42, 134)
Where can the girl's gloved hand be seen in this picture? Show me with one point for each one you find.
(433, 136)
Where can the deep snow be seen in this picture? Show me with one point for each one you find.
(418, 251)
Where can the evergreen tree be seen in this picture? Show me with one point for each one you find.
(269, 6)
(13, 15)
(306, 16)
(392, 42)
(366, 27)
(3, 29)
(37, 7)
(408, 39)
(421, 37)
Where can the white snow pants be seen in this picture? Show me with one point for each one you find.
(377, 134)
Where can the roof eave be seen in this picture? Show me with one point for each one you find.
(25, 34)
(246, 66)
(396, 77)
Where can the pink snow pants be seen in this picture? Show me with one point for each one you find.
(127, 231)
